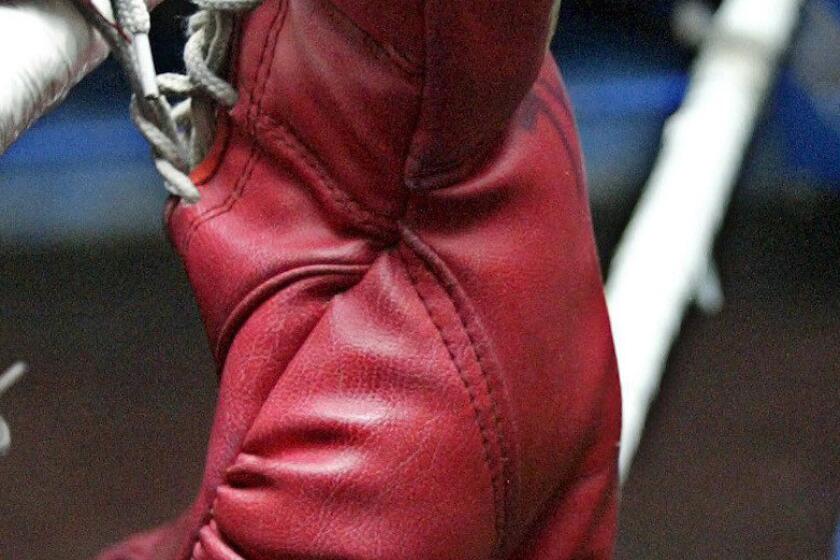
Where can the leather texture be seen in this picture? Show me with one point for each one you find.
(394, 261)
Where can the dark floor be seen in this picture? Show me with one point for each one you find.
(741, 458)
(110, 425)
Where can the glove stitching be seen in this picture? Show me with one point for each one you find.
(264, 67)
(486, 366)
(498, 484)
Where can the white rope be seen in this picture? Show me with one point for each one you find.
(7, 379)
(664, 256)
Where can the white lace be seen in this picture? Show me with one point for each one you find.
(181, 135)
(8, 379)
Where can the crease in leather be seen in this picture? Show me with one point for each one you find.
(221, 544)
(379, 49)
(420, 176)
(412, 156)
(542, 521)
(265, 290)
(281, 140)
(208, 519)
(502, 462)
(446, 174)
(605, 503)
(571, 153)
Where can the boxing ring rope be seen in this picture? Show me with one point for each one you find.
(664, 260)
(7, 379)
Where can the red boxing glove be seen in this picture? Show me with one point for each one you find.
(394, 261)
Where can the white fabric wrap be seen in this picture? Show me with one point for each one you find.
(46, 47)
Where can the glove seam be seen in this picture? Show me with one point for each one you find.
(230, 200)
(500, 471)
(488, 364)
(264, 67)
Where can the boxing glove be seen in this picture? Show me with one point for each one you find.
(394, 262)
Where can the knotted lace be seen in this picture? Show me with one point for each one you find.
(180, 135)
(8, 379)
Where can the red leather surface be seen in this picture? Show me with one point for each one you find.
(395, 266)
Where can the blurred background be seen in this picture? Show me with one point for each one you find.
(741, 454)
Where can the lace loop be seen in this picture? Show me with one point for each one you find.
(180, 135)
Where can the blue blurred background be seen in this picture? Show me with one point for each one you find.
(84, 171)
(741, 455)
